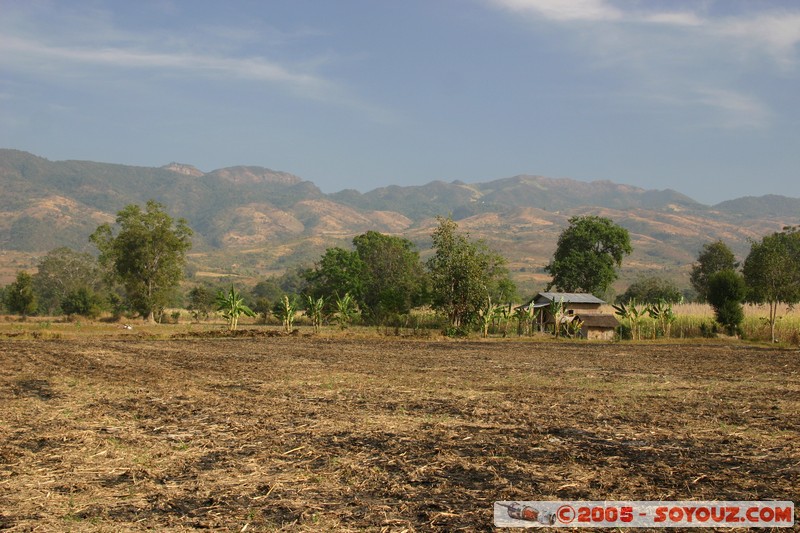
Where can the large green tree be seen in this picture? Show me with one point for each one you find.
(713, 257)
(383, 275)
(19, 296)
(64, 271)
(147, 255)
(651, 290)
(338, 271)
(394, 278)
(464, 274)
(588, 254)
(726, 292)
(772, 272)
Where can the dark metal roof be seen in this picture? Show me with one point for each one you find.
(567, 297)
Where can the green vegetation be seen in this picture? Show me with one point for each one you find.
(383, 276)
(201, 302)
(726, 291)
(147, 255)
(772, 272)
(463, 287)
(714, 257)
(232, 306)
(82, 301)
(285, 310)
(588, 254)
(394, 278)
(19, 297)
(652, 289)
(64, 273)
(346, 310)
(314, 308)
(464, 274)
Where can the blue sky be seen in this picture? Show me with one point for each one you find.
(697, 96)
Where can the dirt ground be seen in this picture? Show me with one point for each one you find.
(337, 434)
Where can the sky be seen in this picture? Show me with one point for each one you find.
(698, 96)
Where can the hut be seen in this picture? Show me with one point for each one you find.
(575, 306)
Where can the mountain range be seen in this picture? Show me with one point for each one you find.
(252, 221)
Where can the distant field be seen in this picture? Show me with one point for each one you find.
(122, 433)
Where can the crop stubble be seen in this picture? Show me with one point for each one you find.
(387, 435)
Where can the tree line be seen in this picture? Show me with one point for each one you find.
(141, 262)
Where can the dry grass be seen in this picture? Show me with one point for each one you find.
(323, 433)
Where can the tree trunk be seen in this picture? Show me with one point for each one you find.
(151, 317)
(773, 315)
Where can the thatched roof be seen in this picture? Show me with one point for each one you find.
(598, 321)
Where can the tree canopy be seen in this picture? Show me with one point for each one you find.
(19, 296)
(65, 272)
(587, 255)
(383, 275)
(713, 257)
(726, 291)
(338, 271)
(394, 278)
(464, 274)
(147, 255)
(772, 271)
(652, 289)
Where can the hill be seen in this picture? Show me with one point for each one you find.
(252, 221)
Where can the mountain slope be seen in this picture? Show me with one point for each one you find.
(261, 220)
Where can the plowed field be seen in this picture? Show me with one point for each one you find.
(316, 434)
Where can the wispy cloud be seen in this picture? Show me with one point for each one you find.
(738, 109)
(29, 54)
(673, 58)
(97, 48)
(561, 10)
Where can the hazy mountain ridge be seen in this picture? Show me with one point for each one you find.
(269, 219)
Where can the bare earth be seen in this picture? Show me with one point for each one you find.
(337, 434)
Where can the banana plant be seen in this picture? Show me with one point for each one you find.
(632, 314)
(486, 315)
(557, 312)
(346, 310)
(574, 327)
(521, 316)
(287, 308)
(314, 311)
(662, 313)
(232, 306)
(504, 315)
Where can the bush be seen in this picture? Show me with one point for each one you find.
(726, 291)
(651, 290)
(82, 301)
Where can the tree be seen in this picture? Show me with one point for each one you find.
(147, 256)
(201, 302)
(64, 271)
(587, 255)
(651, 290)
(19, 296)
(232, 306)
(772, 272)
(726, 290)
(394, 280)
(339, 271)
(82, 301)
(383, 275)
(463, 273)
(713, 258)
